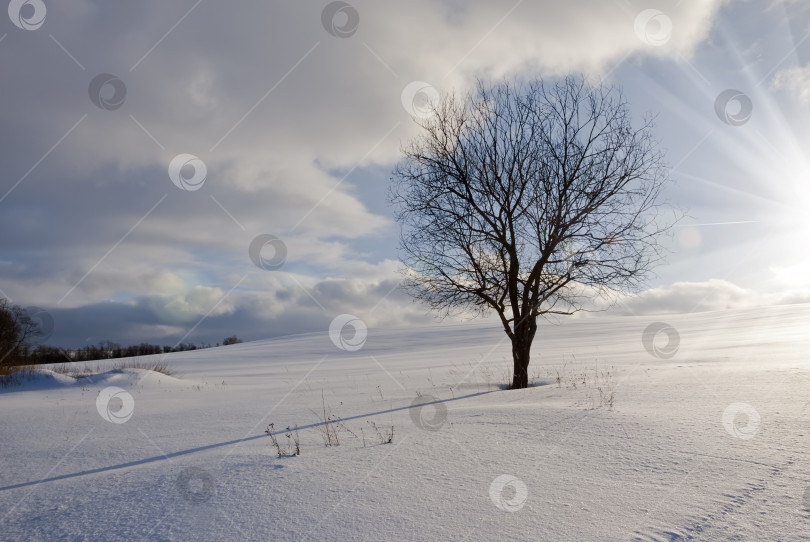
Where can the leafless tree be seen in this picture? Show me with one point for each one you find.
(529, 199)
(17, 329)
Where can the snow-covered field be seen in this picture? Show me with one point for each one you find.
(708, 444)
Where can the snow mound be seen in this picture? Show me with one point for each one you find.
(46, 379)
(124, 378)
(42, 379)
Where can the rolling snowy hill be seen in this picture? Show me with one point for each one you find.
(706, 438)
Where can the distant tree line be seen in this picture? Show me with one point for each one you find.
(18, 330)
(104, 350)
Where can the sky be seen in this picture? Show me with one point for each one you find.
(145, 147)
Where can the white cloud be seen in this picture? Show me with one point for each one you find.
(794, 80)
(711, 295)
(191, 305)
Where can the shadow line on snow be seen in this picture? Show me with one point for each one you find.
(226, 443)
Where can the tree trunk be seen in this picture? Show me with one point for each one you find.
(520, 353)
(521, 349)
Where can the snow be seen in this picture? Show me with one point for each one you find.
(708, 444)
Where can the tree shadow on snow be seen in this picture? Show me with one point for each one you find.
(157, 458)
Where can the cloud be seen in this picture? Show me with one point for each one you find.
(280, 96)
(190, 306)
(292, 123)
(795, 81)
(207, 315)
(711, 295)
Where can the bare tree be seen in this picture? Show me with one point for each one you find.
(528, 200)
(17, 329)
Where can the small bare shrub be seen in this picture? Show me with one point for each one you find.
(385, 436)
(603, 381)
(560, 374)
(594, 381)
(606, 398)
(330, 425)
(292, 440)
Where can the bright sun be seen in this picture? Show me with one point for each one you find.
(793, 267)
